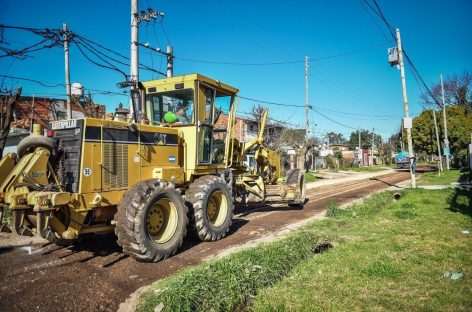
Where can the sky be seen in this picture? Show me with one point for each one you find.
(351, 91)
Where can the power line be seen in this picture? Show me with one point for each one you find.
(355, 114)
(285, 62)
(352, 52)
(36, 81)
(53, 36)
(235, 63)
(112, 67)
(271, 103)
(91, 42)
(336, 122)
(55, 85)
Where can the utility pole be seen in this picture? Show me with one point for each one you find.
(439, 143)
(306, 107)
(446, 140)
(360, 153)
(359, 132)
(372, 145)
(67, 70)
(134, 74)
(405, 108)
(134, 66)
(170, 61)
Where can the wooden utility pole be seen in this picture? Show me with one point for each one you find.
(405, 108)
(67, 69)
(446, 140)
(306, 108)
(439, 143)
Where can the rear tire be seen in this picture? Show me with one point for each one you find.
(211, 208)
(151, 221)
(296, 178)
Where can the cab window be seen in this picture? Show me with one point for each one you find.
(180, 104)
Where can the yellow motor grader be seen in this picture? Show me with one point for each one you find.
(148, 181)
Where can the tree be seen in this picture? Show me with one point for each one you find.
(335, 138)
(457, 91)
(459, 124)
(366, 139)
(274, 130)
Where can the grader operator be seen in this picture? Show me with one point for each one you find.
(148, 182)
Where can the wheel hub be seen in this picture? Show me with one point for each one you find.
(217, 208)
(155, 220)
(161, 221)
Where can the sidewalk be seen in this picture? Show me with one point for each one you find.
(353, 176)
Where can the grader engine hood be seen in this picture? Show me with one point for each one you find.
(102, 155)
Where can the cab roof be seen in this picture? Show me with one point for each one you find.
(188, 78)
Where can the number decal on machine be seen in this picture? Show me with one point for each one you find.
(87, 172)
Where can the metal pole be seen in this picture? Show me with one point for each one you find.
(67, 70)
(306, 105)
(439, 143)
(446, 140)
(405, 108)
(170, 61)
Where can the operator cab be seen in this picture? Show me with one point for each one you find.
(172, 101)
(194, 104)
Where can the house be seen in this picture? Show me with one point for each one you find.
(42, 110)
(246, 129)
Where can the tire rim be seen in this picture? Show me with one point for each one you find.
(217, 208)
(162, 221)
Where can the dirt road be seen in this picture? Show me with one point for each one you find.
(95, 275)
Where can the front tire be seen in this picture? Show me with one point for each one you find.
(211, 208)
(151, 221)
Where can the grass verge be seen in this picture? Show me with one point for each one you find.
(447, 177)
(366, 169)
(390, 256)
(310, 177)
(229, 283)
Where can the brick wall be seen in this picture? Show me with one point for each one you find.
(240, 128)
(44, 111)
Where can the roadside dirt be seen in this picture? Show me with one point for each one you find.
(96, 276)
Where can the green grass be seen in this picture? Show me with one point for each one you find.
(227, 284)
(310, 177)
(447, 177)
(366, 169)
(387, 256)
